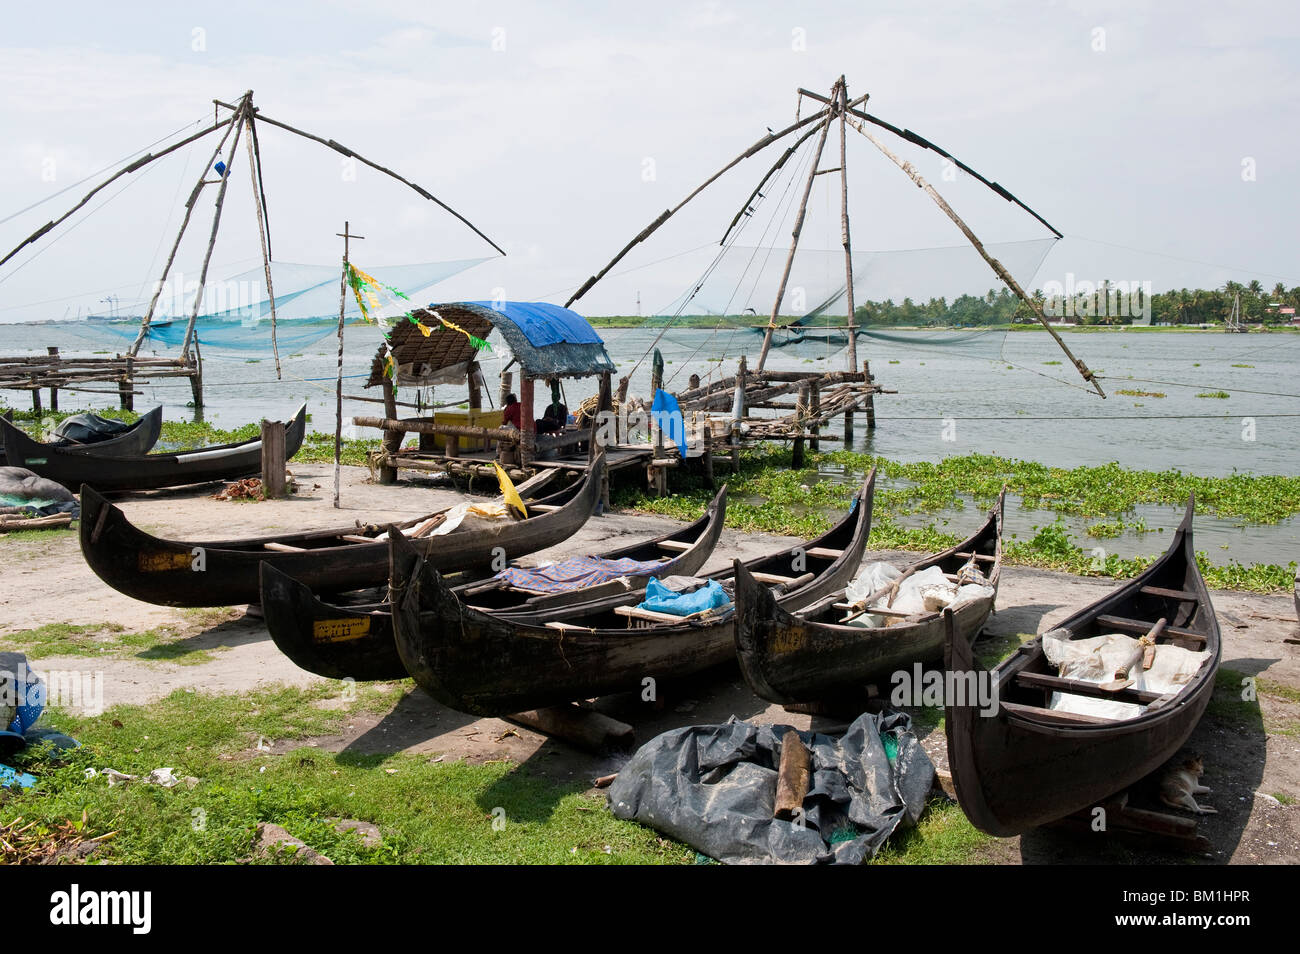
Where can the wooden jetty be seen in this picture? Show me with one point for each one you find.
(56, 373)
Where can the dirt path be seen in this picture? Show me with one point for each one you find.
(47, 581)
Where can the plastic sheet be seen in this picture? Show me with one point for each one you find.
(714, 788)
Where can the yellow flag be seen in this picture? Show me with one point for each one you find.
(508, 490)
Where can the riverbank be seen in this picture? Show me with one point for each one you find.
(206, 693)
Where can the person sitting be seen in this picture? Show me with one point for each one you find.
(512, 413)
(553, 419)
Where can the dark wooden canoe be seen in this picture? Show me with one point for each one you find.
(808, 655)
(162, 571)
(1027, 765)
(83, 465)
(494, 664)
(342, 640)
(135, 441)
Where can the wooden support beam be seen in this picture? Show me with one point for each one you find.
(273, 459)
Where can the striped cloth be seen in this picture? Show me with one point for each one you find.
(576, 573)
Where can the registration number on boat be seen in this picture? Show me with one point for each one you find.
(339, 630)
(164, 561)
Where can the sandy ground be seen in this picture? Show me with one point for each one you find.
(47, 582)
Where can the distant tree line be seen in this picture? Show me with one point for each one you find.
(1110, 303)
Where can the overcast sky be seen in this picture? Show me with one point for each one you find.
(1166, 130)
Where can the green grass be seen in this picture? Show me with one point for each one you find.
(426, 811)
(1221, 395)
(943, 836)
(104, 639)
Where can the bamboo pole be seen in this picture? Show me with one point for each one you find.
(794, 243)
(216, 224)
(645, 233)
(263, 235)
(844, 228)
(993, 263)
(138, 164)
(338, 394)
(344, 150)
(171, 258)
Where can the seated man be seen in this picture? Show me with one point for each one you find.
(553, 419)
(512, 412)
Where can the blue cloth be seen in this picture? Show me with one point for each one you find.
(543, 323)
(577, 573)
(660, 599)
(668, 418)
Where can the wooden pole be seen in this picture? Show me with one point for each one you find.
(180, 234)
(216, 224)
(527, 420)
(347, 236)
(54, 392)
(844, 229)
(263, 235)
(668, 213)
(993, 263)
(344, 150)
(871, 397)
(800, 414)
(137, 164)
(273, 460)
(794, 243)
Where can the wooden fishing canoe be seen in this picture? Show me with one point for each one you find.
(809, 655)
(339, 640)
(494, 664)
(163, 571)
(80, 465)
(135, 441)
(1026, 765)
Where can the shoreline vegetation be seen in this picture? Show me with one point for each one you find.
(767, 496)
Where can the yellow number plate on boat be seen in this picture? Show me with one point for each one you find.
(788, 641)
(340, 630)
(162, 562)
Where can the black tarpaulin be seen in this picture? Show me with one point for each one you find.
(714, 788)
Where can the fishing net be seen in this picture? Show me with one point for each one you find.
(235, 313)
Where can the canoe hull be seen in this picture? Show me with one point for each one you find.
(341, 641)
(74, 467)
(808, 656)
(490, 664)
(225, 573)
(1019, 766)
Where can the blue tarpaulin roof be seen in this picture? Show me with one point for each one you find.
(547, 340)
(543, 323)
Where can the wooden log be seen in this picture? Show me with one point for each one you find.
(792, 777)
(10, 522)
(273, 459)
(585, 728)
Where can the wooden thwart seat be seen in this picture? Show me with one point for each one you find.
(979, 557)
(1125, 625)
(1078, 687)
(677, 546)
(284, 548)
(1052, 715)
(1186, 595)
(824, 553)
